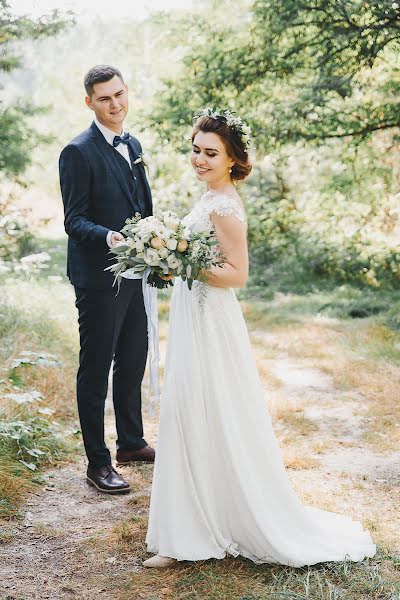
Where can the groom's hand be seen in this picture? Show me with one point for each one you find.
(115, 238)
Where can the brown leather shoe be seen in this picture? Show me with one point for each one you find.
(107, 480)
(146, 454)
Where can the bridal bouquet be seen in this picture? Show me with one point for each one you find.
(163, 245)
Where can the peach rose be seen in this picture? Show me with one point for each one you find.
(182, 246)
(157, 243)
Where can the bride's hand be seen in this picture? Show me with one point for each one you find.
(166, 277)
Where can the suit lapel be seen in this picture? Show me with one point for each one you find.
(142, 175)
(109, 154)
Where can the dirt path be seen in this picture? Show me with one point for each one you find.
(71, 541)
(57, 551)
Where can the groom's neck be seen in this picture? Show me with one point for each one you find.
(117, 128)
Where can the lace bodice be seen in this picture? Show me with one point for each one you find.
(222, 204)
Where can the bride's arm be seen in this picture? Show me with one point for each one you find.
(231, 235)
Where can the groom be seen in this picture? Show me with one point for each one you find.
(103, 182)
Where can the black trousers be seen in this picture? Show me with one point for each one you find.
(111, 328)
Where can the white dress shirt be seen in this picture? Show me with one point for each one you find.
(109, 136)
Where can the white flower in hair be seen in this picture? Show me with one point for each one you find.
(242, 129)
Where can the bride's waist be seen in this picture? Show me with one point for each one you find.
(211, 289)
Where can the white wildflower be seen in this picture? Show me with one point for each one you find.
(163, 253)
(151, 257)
(172, 244)
(173, 262)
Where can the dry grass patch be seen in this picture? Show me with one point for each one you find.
(128, 536)
(292, 417)
(298, 463)
(16, 482)
(141, 501)
(139, 475)
(239, 579)
(379, 384)
(8, 531)
(46, 532)
(360, 356)
(269, 379)
(226, 579)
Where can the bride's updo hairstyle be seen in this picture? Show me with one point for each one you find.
(234, 134)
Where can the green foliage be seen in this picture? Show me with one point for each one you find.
(324, 214)
(28, 442)
(296, 70)
(16, 239)
(17, 137)
(30, 438)
(354, 260)
(37, 388)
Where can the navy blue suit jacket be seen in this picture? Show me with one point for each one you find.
(96, 199)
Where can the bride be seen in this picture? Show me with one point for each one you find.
(220, 486)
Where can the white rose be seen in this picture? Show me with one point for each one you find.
(139, 245)
(171, 223)
(147, 228)
(151, 257)
(163, 253)
(162, 232)
(171, 244)
(146, 235)
(152, 220)
(186, 233)
(173, 262)
(143, 227)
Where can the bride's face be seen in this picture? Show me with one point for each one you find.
(209, 158)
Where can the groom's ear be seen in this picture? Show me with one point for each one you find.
(88, 101)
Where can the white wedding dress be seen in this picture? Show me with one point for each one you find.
(220, 486)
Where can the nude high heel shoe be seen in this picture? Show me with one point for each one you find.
(159, 562)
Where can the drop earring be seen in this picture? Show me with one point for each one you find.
(230, 169)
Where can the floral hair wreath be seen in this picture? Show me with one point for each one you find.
(231, 120)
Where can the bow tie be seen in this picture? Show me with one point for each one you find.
(124, 139)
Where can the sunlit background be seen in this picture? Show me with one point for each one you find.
(105, 9)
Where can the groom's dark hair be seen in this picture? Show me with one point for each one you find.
(99, 74)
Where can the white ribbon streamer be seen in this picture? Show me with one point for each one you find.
(151, 307)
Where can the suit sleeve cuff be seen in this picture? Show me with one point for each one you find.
(108, 238)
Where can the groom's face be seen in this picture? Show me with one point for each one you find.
(110, 103)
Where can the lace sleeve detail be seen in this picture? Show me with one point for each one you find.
(225, 206)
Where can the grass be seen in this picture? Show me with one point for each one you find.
(37, 397)
(239, 579)
(360, 353)
(349, 333)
